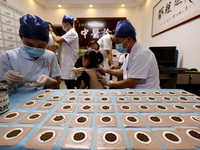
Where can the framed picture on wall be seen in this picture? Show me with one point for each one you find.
(94, 28)
(168, 14)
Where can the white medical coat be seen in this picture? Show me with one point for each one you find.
(69, 53)
(141, 64)
(122, 58)
(19, 61)
(51, 40)
(105, 43)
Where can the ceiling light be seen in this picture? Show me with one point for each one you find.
(122, 5)
(59, 6)
(90, 5)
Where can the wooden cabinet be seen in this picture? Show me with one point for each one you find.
(9, 27)
(189, 78)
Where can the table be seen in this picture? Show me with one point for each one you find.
(180, 78)
(91, 119)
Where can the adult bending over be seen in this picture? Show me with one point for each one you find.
(52, 45)
(105, 47)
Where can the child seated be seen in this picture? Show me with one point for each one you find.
(89, 79)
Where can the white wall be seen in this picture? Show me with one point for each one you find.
(55, 15)
(28, 6)
(132, 14)
(186, 37)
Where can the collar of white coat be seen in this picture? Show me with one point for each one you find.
(133, 49)
(135, 46)
(26, 55)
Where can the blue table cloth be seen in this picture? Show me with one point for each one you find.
(17, 98)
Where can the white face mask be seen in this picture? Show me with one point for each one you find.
(64, 28)
(120, 47)
(33, 52)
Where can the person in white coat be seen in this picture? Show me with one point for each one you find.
(140, 70)
(122, 59)
(69, 52)
(52, 45)
(31, 66)
(105, 47)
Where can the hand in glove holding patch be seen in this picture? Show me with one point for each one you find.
(101, 69)
(43, 80)
(13, 77)
(104, 80)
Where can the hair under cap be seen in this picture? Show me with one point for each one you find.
(34, 27)
(124, 29)
(68, 19)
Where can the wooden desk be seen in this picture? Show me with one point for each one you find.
(180, 79)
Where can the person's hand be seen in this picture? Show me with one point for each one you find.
(80, 70)
(43, 80)
(104, 80)
(112, 66)
(101, 69)
(13, 77)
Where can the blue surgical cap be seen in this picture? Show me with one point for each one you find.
(34, 27)
(124, 29)
(68, 19)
